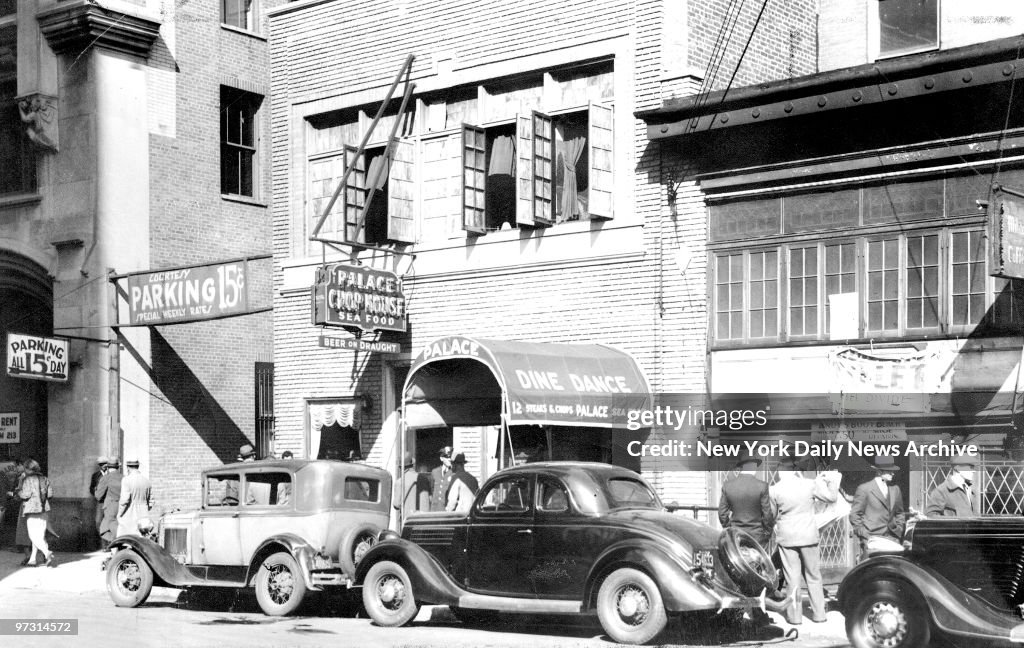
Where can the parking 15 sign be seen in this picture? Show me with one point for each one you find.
(37, 358)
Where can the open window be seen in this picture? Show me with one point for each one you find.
(538, 171)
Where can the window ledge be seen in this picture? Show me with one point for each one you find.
(18, 199)
(245, 200)
(243, 32)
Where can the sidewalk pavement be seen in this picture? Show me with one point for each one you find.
(76, 573)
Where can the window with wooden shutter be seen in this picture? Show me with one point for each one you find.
(441, 214)
(524, 170)
(599, 142)
(324, 175)
(474, 178)
(543, 169)
(354, 194)
(401, 193)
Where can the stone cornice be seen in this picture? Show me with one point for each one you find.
(72, 27)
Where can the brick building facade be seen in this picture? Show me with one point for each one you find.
(609, 275)
(149, 150)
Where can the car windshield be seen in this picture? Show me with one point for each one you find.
(630, 493)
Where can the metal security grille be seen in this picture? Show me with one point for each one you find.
(998, 485)
(264, 409)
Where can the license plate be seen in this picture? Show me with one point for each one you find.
(704, 559)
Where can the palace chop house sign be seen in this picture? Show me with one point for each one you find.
(37, 358)
(187, 294)
(357, 297)
(1006, 233)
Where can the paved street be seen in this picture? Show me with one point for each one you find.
(74, 590)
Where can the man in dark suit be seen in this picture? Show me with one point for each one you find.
(952, 498)
(441, 481)
(745, 503)
(108, 494)
(877, 510)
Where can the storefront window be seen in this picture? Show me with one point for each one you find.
(908, 26)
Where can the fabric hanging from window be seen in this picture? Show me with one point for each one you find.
(323, 415)
(377, 165)
(569, 153)
(503, 156)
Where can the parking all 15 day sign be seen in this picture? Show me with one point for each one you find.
(37, 358)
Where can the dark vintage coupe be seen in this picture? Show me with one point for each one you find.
(282, 527)
(960, 582)
(564, 538)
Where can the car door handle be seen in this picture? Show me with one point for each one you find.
(526, 531)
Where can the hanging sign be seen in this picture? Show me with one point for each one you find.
(187, 294)
(1006, 233)
(10, 427)
(37, 358)
(357, 297)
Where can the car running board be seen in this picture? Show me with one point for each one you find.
(525, 605)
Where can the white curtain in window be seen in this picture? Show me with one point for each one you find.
(324, 415)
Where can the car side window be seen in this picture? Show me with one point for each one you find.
(357, 489)
(222, 490)
(268, 489)
(510, 495)
(552, 498)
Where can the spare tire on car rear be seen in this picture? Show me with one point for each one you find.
(354, 545)
(746, 562)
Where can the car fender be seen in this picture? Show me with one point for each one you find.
(166, 570)
(952, 611)
(431, 582)
(679, 591)
(299, 549)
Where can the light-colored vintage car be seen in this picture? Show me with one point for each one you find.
(283, 527)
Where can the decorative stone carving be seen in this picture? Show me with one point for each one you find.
(39, 114)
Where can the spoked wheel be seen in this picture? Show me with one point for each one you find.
(129, 579)
(630, 608)
(888, 615)
(388, 596)
(279, 585)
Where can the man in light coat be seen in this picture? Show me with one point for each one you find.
(463, 487)
(411, 491)
(797, 533)
(877, 510)
(134, 503)
(952, 498)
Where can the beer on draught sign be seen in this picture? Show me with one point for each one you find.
(357, 297)
(1006, 233)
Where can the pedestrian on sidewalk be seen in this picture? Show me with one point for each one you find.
(796, 532)
(108, 493)
(134, 502)
(36, 493)
(94, 482)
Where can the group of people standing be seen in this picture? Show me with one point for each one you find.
(449, 487)
(787, 511)
(122, 500)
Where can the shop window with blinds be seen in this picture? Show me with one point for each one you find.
(927, 276)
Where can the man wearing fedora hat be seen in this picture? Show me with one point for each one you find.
(108, 494)
(463, 487)
(135, 502)
(745, 503)
(797, 534)
(94, 482)
(952, 498)
(877, 510)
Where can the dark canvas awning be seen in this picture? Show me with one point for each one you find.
(465, 381)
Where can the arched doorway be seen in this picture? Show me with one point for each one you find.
(26, 306)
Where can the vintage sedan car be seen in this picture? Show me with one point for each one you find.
(564, 538)
(959, 581)
(284, 527)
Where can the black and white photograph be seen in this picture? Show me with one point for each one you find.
(511, 324)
